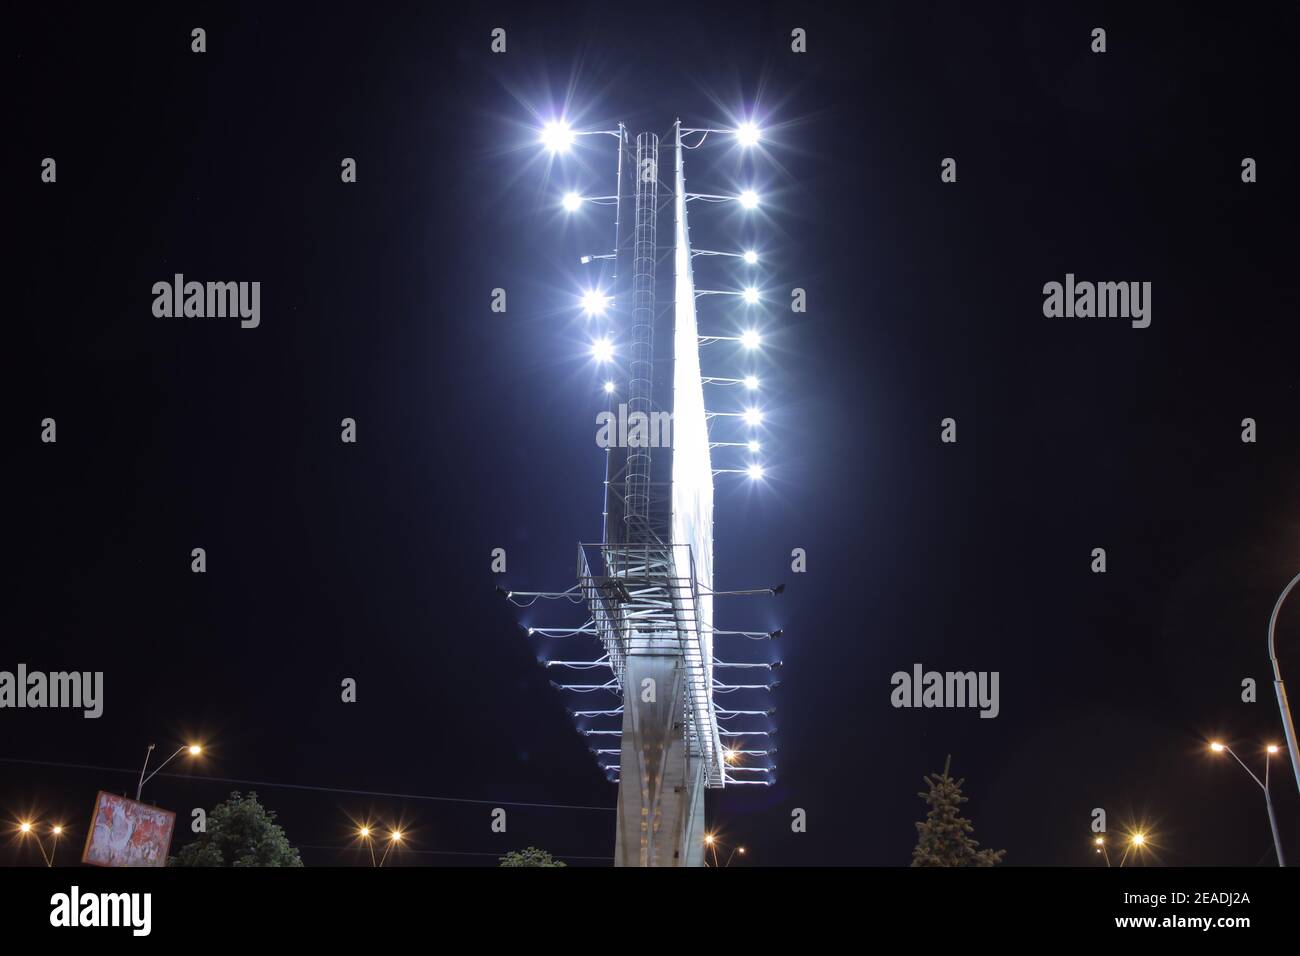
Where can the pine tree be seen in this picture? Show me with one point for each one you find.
(945, 835)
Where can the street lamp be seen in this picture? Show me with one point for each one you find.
(194, 751)
(1263, 785)
(1136, 843)
(394, 838)
(1100, 843)
(28, 829)
(364, 832)
(1288, 725)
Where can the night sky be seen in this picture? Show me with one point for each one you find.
(372, 561)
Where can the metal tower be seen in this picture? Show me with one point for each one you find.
(648, 585)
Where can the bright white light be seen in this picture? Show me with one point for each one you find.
(754, 446)
(594, 302)
(751, 257)
(750, 296)
(571, 202)
(602, 350)
(747, 134)
(557, 137)
(751, 382)
(609, 388)
(755, 472)
(749, 199)
(750, 339)
(753, 416)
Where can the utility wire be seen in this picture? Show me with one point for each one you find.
(302, 786)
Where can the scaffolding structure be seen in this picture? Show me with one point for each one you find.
(648, 586)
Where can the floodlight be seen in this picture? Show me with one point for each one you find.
(571, 202)
(755, 472)
(754, 446)
(752, 416)
(595, 302)
(747, 134)
(750, 295)
(557, 136)
(751, 382)
(750, 339)
(749, 199)
(750, 257)
(602, 350)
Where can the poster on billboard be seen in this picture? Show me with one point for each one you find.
(128, 833)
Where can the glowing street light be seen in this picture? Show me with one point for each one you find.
(394, 838)
(751, 382)
(1269, 751)
(194, 750)
(750, 339)
(748, 134)
(1100, 843)
(609, 388)
(750, 257)
(602, 350)
(26, 828)
(755, 472)
(364, 833)
(571, 202)
(748, 199)
(754, 446)
(752, 417)
(750, 296)
(557, 136)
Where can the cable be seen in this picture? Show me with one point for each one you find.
(302, 786)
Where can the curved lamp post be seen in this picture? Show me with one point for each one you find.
(1288, 725)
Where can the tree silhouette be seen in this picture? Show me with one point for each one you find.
(945, 835)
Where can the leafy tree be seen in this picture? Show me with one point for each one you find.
(240, 832)
(530, 857)
(945, 835)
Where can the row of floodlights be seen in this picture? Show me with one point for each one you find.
(558, 136)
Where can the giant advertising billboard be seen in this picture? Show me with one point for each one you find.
(128, 833)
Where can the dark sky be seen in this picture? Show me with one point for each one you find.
(371, 561)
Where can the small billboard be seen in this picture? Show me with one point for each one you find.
(128, 833)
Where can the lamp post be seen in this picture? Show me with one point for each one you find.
(28, 829)
(1100, 843)
(1136, 842)
(1288, 725)
(1263, 785)
(364, 833)
(194, 751)
(394, 839)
